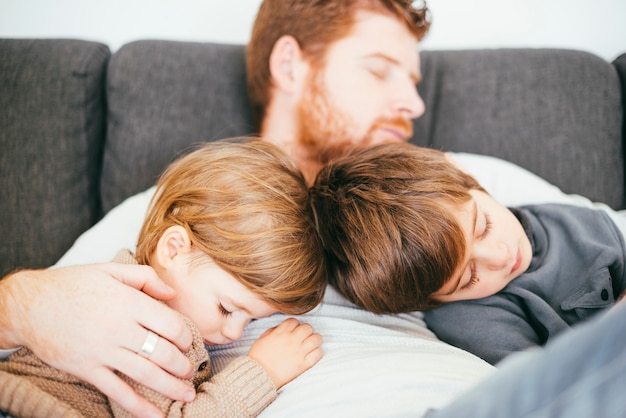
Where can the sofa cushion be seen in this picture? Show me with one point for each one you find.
(51, 133)
(512, 103)
(163, 97)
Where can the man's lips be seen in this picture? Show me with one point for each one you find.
(396, 133)
(398, 129)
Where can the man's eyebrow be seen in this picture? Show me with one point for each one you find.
(474, 210)
(416, 76)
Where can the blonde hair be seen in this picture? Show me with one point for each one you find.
(386, 217)
(245, 204)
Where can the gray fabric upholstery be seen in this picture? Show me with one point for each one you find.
(531, 107)
(557, 113)
(164, 96)
(620, 66)
(51, 133)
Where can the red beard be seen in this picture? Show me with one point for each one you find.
(325, 132)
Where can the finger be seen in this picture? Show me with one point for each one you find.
(312, 342)
(311, 358)
(119, 391)
(166, 322)
(142, 278)
(288, 324)
(167, 356)
(149, 374)
(304, 330)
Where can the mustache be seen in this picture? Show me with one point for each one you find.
(405, 125)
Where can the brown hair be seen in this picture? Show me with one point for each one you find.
(245, 204)
(386, 220)
(315, 24)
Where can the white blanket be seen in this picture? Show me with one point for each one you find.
(373, 365)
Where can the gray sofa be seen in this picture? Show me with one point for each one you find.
(82, 128)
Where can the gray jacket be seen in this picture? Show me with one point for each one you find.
(577, 270)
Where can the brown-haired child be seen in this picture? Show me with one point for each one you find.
(406, 229)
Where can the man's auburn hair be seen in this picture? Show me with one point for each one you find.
(386, 218)
(245, 205)
(315, 24)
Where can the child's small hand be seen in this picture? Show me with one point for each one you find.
(287, 350)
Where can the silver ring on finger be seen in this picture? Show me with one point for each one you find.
(149, 345)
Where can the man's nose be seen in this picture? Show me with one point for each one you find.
(409, 103)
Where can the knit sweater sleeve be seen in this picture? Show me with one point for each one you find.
(242, 389)
(23, 398)
(31, 388)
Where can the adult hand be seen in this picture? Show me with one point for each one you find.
(91, 320)
(287, 350)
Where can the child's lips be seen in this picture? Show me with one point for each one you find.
(212, 344)
(518, 261)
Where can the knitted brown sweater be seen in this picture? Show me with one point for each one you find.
(31, 388)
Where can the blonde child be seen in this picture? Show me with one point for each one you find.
(230, 228)
(406, 229)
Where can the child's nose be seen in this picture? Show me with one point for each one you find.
(232, 330)
(493, 255)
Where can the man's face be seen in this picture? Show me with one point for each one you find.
(366, 93)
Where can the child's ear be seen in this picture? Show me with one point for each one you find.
(174, 243)
(286, 64)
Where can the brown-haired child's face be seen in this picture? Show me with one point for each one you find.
(497, 250)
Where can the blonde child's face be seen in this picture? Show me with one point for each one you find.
(215, 301)
(497, 250)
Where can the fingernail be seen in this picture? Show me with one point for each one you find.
(189, 396)
(156, 414)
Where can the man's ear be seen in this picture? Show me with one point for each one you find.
(174, 243)
(287, 64)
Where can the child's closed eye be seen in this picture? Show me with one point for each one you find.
(223, 310)
(472, 281)
(488, 225)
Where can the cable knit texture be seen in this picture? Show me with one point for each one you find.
(31, 388)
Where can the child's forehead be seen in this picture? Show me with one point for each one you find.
(464, 210)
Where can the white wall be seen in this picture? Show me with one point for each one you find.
(597, 26)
